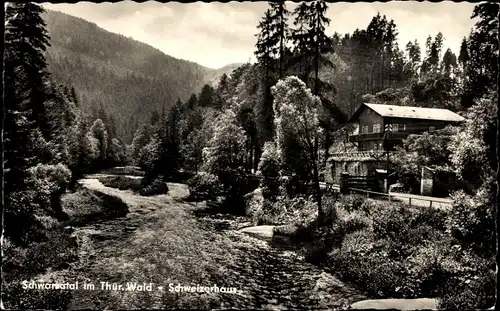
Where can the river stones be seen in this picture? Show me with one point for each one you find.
(399, 304)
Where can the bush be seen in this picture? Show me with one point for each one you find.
(158, 186)
(49, 182)
(24, 263)
(477, 293)
(122, 182)
(86, 205)
(124, 170)
(269, 167)
(204, 186)
(353, 202)
(472, 222)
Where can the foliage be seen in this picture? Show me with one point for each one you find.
(473, 148)
(98, 131)
(269, 167)
(224, 157)
(141, 139)
(204, 185)
(472, 221)
(156, 187)
(426, 150)
(122, 182)
(479, 55)
(85, 206)
(297, 131)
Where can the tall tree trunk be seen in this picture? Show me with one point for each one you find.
(321, 214)
(495, 208)
(382, 75)
(282, 35)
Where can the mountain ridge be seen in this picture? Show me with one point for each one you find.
(128, 78)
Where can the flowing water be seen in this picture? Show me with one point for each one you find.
(270, 277)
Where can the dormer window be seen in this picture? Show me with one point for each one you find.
(376, 128)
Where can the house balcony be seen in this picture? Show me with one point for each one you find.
(360, 155)
(378, 136)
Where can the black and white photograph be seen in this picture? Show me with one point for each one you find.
(250, 155)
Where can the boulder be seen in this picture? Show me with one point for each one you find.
(265, 232)
(398, 304)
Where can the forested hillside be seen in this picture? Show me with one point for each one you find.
(129, 79)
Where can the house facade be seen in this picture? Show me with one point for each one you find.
(380, 130)
(384, 127)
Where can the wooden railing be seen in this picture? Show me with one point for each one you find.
(379, 136)
(410, 197)
(361, 154)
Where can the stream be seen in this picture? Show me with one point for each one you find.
(270, 277)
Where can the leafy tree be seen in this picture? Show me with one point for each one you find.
(141, 138)
(269, 167)
(429, 150)
(296, 116)
(98, 131)
(473, 148)
(224, 156)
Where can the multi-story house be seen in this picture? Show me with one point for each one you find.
(380, 129)
(383, 127)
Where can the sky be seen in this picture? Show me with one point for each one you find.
(215, 34)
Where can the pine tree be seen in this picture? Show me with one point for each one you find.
(206, 96)
(279, 15)
(26, 41)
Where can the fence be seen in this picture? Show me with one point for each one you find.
(410, 197)
(363, 182)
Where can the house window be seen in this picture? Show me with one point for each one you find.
(364, 129)
(376, 128)
(432, 129)
(395, 127)
(403, 127)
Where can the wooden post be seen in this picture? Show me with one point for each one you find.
(344, 183)
(430, 204)
(409, 202)
(367, 194)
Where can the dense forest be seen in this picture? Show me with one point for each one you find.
(129, 79)
(342, 71)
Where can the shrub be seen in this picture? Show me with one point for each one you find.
(477, 293)
(124, 170)
(472, 222)
(353, 202)
(122, 182)
(269, 167)
(204, 186)
(24, 263)
(433, 217)
(49, 182)
(86, 205)
(158, 186)
(20, 222)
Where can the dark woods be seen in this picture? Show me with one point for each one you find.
(49, 141)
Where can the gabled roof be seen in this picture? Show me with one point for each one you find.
(437, 114)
